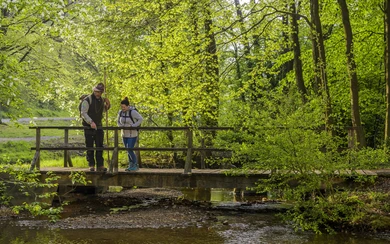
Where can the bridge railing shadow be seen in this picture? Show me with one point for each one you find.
(113, 164)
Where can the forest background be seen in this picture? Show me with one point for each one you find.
(304, 83)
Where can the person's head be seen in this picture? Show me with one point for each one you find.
(98, 90)
(125, 104)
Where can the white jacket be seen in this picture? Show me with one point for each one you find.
(124, 120)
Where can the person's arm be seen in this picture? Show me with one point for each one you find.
(118, 121)
(137, 117)
(84, 112)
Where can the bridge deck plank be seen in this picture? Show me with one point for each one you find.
(148, 171)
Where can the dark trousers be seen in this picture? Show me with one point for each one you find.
(94, 138)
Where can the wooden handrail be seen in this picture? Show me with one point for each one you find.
(132, 128)
(70, 148)
(113, 165)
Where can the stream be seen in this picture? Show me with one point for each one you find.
(151, 216)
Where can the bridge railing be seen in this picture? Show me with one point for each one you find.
(113, 163)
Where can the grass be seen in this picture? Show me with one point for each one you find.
(12, 151)
(31, 110)
(77, 162)
(16, 151)
(22, 130)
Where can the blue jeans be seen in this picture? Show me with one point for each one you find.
(130, 143)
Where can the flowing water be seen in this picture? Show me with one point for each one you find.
(228, 225)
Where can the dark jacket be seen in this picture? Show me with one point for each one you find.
(92, 110)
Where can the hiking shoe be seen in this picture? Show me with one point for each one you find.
(102, 169)
(131, 169)
(92, 169)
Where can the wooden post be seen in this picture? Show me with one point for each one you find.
(70, 164)
(188, 165)
(66, 145)
(114, 159)
(67, 158)
(138, 153)
(36, 160)
(202, 155)
(106, 112)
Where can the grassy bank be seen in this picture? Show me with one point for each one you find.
(17, 139)
(22, 130)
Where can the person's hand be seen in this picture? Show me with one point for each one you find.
(93, 125)
(107, 103)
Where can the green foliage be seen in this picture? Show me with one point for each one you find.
(341, 210)
(16, 151)
(200, 63)
(38, 194)
(307, 166)
(79, 177)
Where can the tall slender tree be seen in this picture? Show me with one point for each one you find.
(321, 77)
(387, 70)
(297, 51)
(358, 131)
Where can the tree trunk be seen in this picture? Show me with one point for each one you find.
(387, 70)
(320, 62)
(242, 75)
(212, 70)
(4, 14)
(210, 114)
(287, 66)
(239, 72)
(297, 54)
(351, 66)
(316, 83)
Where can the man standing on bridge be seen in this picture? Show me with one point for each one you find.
(92, 108)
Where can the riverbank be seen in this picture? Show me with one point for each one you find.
(144, 208)
(163, 216)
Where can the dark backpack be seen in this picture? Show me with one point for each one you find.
(123, 114)
(82, 98)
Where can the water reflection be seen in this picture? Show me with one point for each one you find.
(241, 228)
(219, 195)
(103, 236)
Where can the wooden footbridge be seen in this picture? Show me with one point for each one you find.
(146, 177)
(152, 177)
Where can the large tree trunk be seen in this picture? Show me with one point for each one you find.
(242, 75)
(289, 65)
(316, 83)
(320, 62)
(4, 14)
(297, 54)
(212, 69)
(387, 70)
(351, 66)
(210, 114)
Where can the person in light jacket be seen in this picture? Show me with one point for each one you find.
(128, 116)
